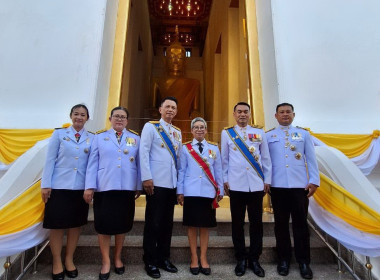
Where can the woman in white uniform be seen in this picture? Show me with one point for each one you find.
(113, 180)
(62, 189)
(199, 188)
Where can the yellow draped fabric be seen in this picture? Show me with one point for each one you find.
(352, 145)
(22, 212)
(339, 202)
(15, 142)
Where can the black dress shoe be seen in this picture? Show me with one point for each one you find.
(283, 268)
(256, 268)
(240, 268)
(305, 271)
(194, 270)
(71, 273)
(120, 270)
(167, 266)
(104, 276)
(58, 276)
(205, 271)
(152, 271)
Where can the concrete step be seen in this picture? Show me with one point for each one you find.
(220, 250)
(134, 272)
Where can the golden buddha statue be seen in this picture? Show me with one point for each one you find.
(186, 90)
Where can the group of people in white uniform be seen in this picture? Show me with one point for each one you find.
(113, 167)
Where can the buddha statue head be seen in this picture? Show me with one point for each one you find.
(175, 57)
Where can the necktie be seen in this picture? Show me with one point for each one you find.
(77, 136)
(118, 136)
(200, 147)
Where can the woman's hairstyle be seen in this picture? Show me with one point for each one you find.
(79, 106)
(120, 108)
(198, 119)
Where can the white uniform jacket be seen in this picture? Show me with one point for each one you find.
(114, 166)
(237, 171)
(66, 160)
(157, 162)
(291, 148)
(192, 180)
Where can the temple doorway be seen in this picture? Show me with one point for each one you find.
(195, 50)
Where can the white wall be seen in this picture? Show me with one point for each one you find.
(328, 63)
(50, 59)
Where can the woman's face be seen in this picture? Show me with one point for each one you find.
(119, 120)
(199, 131)
(79, 118)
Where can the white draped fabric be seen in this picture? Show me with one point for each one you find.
(360, 242)
(20, 241)
(367, 161)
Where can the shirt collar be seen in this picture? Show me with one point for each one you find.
(282, 127)
(75, 132)
(195, 142)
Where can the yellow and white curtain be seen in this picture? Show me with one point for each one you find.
(346, 218)
(15, 142)
(363, 150)
(21, 222)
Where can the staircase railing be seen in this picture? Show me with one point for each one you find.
(25, 266)
(338, 254)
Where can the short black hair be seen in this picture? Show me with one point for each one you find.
(172, 98)
(120, 108)
(79, 106)
(242, 103)
(284, 104)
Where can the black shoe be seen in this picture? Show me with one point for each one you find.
(305, 271)
(120, 270)
(71, 273)
(167, 266)
(256, 268)
(240, 268)
(205, 271)
(194, 270)
(58, 276)
(152, 271)
(283, 268)
(104, 276)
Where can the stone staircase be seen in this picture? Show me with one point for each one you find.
(220, 253)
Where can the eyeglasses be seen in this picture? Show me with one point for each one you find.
(199, 127)
(119, 117)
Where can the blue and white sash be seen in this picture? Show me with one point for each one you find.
(167, 141)
(245, 151)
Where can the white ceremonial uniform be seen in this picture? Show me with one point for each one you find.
(157, 162)
(114, 166)
(192, 179)
(237, 171)
(291, 148)
(66, 160)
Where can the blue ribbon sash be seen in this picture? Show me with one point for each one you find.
(167, 141)
(245, 151)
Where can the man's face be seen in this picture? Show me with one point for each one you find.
(242, 114)
(285, 115)
(168, 110)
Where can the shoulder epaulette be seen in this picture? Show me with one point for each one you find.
(212, 143)
(154, 122)
(132, 131)
(101, 131)
(59, 128)
(227, 127)
(187, 142)
(176, 127)
(302, 128)
(91, 132)
(270, 129)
